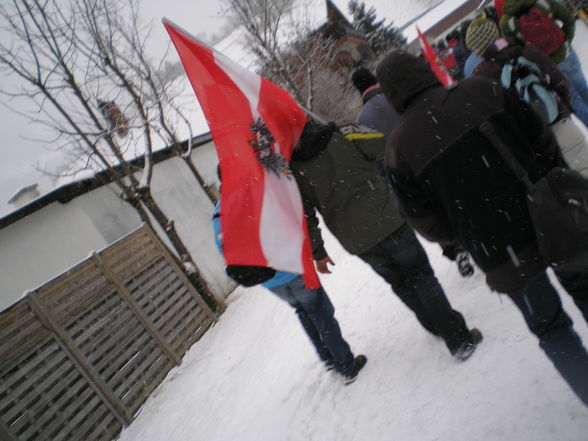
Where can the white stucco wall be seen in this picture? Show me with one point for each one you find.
(39, 247)
(174, 189)
(47, 242)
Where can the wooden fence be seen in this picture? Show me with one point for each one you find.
(81, 354)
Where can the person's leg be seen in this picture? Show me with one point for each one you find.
(285, 293)
(320, 313)
(542, 310)
(576, 284)
(402, 262)
(572, 68)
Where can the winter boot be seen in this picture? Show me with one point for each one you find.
(350, 374)
(467, 348)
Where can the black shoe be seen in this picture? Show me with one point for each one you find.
(329, 365)
(464, 266)
(351, 373)
(467, 348)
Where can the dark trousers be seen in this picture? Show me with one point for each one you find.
(401, 260)
(576, 284)
(317, 316)
(545, 317)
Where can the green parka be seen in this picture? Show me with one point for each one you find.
(338, 176)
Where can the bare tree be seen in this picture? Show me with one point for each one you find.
(84, 65)
(291, 53)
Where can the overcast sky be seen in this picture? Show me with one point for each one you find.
(27, 147)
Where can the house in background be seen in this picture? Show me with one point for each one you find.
(349, 46)
(53, 232)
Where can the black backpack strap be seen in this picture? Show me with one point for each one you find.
(488, 130)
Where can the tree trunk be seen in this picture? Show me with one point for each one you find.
(185, 259)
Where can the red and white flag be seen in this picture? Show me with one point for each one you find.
(255, 125)
(434, 61)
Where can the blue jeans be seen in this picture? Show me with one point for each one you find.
(401, 260)
(572, 68)
(542, 309)
(317, 316)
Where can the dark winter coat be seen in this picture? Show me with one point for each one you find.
(377, 112)
(513, 9)
(338, 177)
(450, 181)
(502, 51)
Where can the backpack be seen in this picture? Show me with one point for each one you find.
(527, 80)
(249, 275)
(539, 29)
(558, 208)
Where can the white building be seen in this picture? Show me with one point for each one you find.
(48, 235)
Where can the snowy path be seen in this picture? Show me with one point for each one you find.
(254, 377)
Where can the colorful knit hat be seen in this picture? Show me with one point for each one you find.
(481, 33)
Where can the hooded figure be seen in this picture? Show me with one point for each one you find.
(377, 113)
(337, 173)
(454, 187)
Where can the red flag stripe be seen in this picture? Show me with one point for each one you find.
(262, 221)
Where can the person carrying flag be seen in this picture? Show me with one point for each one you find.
(315, 312)
(261, 223)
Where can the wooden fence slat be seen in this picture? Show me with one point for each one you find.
(22, 393)
(86, 368)
(181, 274)
(131, 303)
(48, 421)
(37, 424)
(81, 354)
(108, 363)
(111, 314)
(132, 352)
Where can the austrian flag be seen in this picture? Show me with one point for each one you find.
(255, 125)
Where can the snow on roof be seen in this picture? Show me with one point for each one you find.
(432, 17)
(21, 191)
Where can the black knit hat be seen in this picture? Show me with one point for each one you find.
(362, 78)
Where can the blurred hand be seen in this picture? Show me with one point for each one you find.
(322, 267)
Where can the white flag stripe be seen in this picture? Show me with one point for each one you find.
(248, 82)
(281, 205)
(282, 247)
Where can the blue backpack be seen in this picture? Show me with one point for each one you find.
(526, 78)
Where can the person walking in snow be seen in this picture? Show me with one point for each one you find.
(315, 312)
(336, 173)
(454, 186)
(537, 22)
(528, 62)
(378, 114)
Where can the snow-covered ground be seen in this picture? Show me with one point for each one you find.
(255, 377)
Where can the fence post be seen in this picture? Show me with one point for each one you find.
(180, 271)
(111, 400)
(122, 291)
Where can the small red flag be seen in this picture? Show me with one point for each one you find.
(255, 125)
(432, 59)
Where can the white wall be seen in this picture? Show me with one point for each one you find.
(45, 243)
(38, 247)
